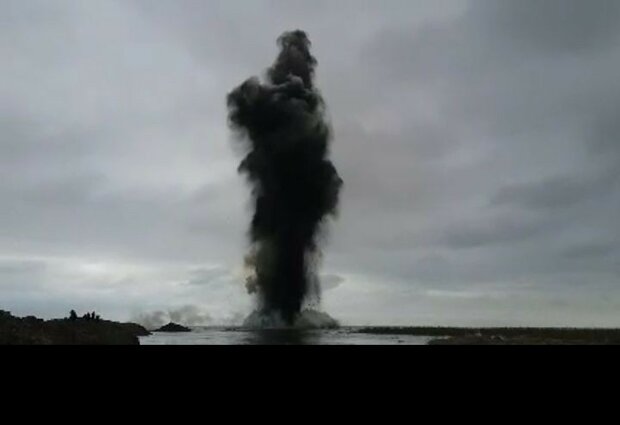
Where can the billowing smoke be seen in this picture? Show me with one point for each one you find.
(188, 315)
(294, 185)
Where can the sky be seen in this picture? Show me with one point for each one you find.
(478, 141)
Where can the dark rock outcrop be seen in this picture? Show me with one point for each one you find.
(173, 327)
(33, 331)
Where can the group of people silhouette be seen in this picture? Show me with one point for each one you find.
(88, 316)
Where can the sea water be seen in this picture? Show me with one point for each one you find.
(242, 336)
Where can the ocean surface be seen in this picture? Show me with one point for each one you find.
(240, 336)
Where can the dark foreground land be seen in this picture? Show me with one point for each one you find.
(33, 331)
(505, 336)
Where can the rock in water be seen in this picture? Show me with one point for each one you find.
(173, 327)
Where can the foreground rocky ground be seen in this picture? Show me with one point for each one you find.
(33, 331)
(506, 336)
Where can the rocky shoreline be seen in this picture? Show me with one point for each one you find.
(506, 336)
(77, 331)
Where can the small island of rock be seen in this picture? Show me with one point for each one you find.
(173, 327)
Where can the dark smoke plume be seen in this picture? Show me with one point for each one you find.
(294, 186)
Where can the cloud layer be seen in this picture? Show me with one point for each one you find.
(478, 142)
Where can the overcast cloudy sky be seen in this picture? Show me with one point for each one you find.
(479, 143)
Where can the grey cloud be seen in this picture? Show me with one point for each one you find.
(21, 266)
(206, 276)
(552, 26)
(497, 230)
(23, 276)
(592, 250)
(555, 192)
(603, 136)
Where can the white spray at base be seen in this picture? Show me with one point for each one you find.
(307, 319)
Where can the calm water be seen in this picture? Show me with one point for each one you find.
(234, 336)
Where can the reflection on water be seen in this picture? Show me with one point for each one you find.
(282, 337)
(237, 336)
